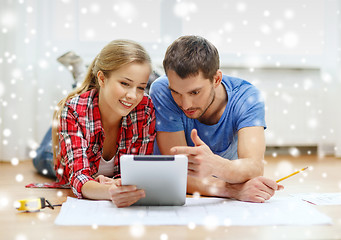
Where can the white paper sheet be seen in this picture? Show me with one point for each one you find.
(320, 198)
(198, 211)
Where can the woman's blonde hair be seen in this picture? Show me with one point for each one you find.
(113, 56)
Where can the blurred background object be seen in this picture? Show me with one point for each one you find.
(75, 65)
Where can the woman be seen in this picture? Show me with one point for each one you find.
(107, 116)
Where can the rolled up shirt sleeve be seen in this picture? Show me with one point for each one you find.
(73, 147)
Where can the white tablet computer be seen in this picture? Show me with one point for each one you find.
(163, 178)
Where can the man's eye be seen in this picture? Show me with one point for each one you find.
(141, 88)
(195, 92)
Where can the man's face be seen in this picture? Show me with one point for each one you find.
(194, 94)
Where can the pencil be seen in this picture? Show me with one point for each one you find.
(291, 174)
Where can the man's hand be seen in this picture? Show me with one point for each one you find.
(201, 160)
(258, 189)
(124, 196)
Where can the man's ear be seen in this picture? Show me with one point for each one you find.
(100, 78)
(217, 78)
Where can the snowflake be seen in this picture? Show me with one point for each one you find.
(126, 10)
(184, 9)
(163, 236)
(19, 177)
(8, 19)
(32, 154)
(7, 132)
(3, 201)
(14, 161)
(290, 40)
(137, 230)
(266, 13)
(283, 168)
(211, 222)
(21, 236)
(289, 14)
(241, 7)
(312, 123)
(191, 225)
(294, 152)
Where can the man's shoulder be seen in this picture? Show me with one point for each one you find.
(159, 84)
(235, 84)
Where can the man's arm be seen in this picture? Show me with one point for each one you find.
(167, 140)
(257, 189)
(204, 163)
(251, 149)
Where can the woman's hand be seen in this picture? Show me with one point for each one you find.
(104, 180)
(124, 196)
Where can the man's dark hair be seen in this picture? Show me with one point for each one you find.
(188, 55)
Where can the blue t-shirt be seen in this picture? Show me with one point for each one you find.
(245, 108)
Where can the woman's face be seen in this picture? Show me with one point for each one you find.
(123, 89)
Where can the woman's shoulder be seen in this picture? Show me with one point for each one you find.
(143, 112)
(86, 98)
(84, 102)
(146, 103)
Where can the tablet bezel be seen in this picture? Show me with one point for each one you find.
(163, 177)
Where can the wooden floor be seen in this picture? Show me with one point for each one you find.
(324, 176)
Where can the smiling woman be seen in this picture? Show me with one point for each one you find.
(125, 86)
(101, 120)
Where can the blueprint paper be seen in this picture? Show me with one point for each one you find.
(320, 198)
(198, 211)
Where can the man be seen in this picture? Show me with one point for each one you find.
(216, 120)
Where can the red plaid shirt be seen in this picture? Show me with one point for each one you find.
(81, 138)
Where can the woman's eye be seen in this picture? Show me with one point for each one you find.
(141, 88)
(125, 84)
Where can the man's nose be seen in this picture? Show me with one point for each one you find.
(186, 103)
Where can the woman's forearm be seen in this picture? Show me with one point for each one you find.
(95, 190)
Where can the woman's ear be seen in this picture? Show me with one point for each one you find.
(217, 78)
(100, 78)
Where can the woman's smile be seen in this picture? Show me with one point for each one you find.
(125, 104)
